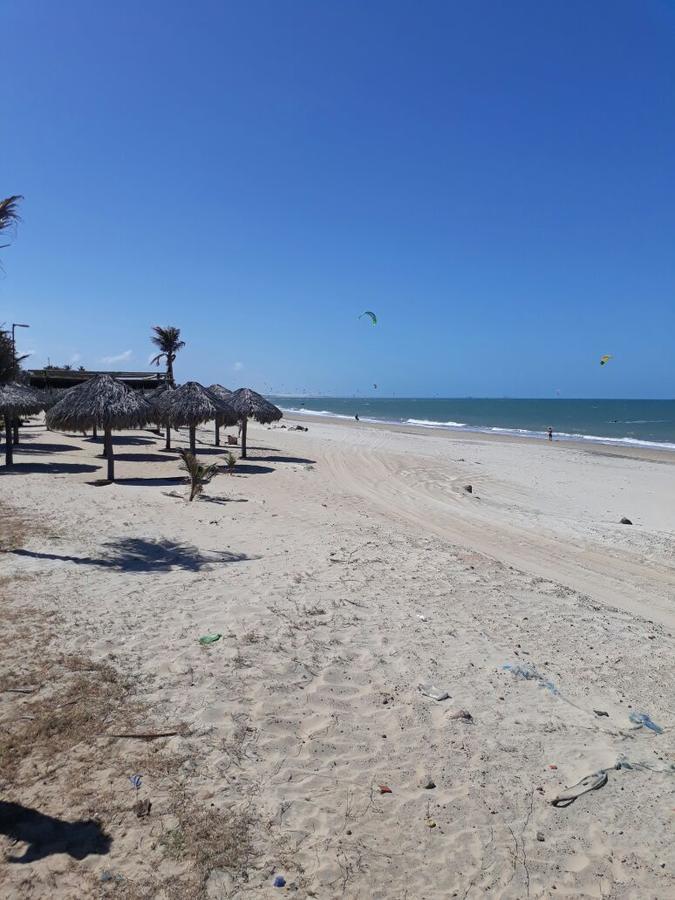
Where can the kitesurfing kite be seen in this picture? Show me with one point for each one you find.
(375, 386)
(605, 359)
(371, 315)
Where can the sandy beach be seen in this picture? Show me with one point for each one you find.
(343, 567)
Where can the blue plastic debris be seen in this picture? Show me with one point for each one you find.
(529, 673)
(641, 719)
(280, 881)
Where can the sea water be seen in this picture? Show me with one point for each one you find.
(649, 423)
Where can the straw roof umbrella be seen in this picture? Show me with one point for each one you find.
(160, 399)
(191, 404)
(249, 404)
(17, 400)
(221, 393)
(101, 401)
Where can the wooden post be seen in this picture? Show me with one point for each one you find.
(168, 438)
(16, 431)
(217, 434)
(108, 445)
(244, 423)
(9, 444)
(193, 429)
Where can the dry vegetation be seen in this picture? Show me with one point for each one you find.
(58, 715)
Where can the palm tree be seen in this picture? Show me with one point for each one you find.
(169, 342)
(9, 213)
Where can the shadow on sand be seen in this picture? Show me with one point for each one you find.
(48, 468)
(46, 835)
(142, 457)
(285, 459)
(124, 440)
(44, 448)
(152, 482)
(245, 468)
(140, 555)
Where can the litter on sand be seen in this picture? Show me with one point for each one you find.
(429, 690)
(590, 783)
(385, 789)
(280, 881)
(210, 638)
(142, 808)
(530, 673)
(463, 714)
(641, 719)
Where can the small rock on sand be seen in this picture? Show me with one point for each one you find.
(624, 521)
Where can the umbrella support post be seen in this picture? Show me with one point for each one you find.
(193, 448)
(243, 438)
(217, 435)
(9, 445)
(15, 437)
(107, 443)
(168, 438)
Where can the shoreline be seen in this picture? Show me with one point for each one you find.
(466, 434)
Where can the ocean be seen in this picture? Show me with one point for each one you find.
(649, 423)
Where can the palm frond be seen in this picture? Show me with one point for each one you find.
(167, 339)
(9, 211)
(198, 473)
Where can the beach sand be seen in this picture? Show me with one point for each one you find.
(343, 567)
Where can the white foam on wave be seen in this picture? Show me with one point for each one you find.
(315, 412)
(430, 423)
(485, 429)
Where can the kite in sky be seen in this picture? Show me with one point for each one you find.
(605, 359)
(371, 315)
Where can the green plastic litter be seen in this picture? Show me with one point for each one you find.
(210, 638)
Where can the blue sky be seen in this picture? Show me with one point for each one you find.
(494, 179)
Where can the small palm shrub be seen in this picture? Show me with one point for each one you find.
(230, 462)
(198, 473)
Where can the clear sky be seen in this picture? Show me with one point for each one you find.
(495, 179)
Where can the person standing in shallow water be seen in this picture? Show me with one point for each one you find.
(550, 433)
(357, 417)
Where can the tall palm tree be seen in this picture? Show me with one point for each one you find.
(169, 342)
(9, 213)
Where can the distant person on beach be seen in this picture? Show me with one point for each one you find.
(550, 433)
(356, 417)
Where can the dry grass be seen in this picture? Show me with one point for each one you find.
(55, 710)
(211, 838)
(74, 702)
(16, 528)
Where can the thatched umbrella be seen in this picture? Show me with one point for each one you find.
(221, 393)
(191, 404)
(17, 400)
(251, 405)
(104, 402)
(160, 399)
(51, 396)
